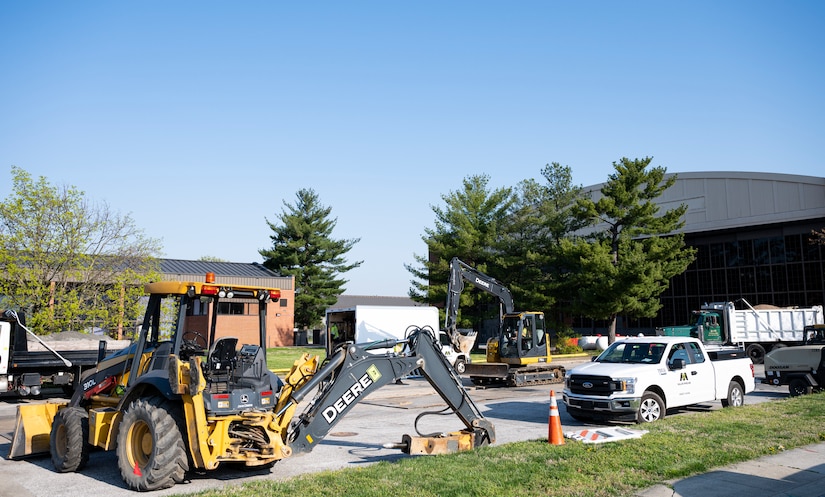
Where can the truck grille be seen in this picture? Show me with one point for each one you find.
(589, 385)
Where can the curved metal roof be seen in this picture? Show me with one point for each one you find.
(728, 199)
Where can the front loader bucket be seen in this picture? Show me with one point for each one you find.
(32, 429)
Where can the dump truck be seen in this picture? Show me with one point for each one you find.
(184, 397)
(757, 330)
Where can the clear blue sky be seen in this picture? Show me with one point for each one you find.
(200, 117)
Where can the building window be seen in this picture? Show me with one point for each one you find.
(283, 303)
(793, 248)
(232, 308)
(197, 308)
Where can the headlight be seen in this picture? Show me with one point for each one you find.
(626, 385)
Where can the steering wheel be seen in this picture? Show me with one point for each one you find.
(192, 343)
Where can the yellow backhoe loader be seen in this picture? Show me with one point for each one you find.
(181, 399)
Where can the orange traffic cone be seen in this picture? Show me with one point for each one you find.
(554, 436)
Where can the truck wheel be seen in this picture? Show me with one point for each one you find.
(68, 442)
(736, 395)
(756, 352)
(651, 408)
(460, 366)
(797, 387)
(151, 453)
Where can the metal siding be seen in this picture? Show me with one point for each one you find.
(762, 197)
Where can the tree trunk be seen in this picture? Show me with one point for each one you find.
(611, 330)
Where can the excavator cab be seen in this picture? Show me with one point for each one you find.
(523, 339)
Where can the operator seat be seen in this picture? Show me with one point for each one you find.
(250, 369)
(221, 359)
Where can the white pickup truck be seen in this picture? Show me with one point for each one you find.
(640, 378)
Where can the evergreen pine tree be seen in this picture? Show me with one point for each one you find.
(303, 247)
(628, 261)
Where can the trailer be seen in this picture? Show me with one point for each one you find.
(28, 362)
(757, 330)
(373, 323)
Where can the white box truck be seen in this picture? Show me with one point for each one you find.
(371, 323)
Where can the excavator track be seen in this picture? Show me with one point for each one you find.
(521, 377)
(537, 377)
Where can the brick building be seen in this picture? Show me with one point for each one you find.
(239, 317)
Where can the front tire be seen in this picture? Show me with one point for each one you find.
(460, 366)
(151, 453)
(736, 395)
(68, 442)
(651, 408)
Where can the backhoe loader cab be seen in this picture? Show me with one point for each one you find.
(181, 397)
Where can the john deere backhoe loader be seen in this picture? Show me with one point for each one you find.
(182, 399)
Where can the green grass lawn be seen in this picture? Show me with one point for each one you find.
(282, 358)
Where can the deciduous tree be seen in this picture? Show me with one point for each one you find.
(68, 263)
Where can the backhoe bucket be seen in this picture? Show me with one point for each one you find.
(32, 429)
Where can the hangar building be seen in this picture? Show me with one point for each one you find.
(753, 235)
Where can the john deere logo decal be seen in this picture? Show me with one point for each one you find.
(352, 393)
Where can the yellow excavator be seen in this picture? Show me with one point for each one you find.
(519, 354)
(183, 397)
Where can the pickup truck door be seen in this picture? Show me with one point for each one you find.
(693, 384)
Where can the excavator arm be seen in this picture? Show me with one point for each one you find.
(353, 372)
(459, 272)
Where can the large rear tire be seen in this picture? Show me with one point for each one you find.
(756, 352)
(151, 453)
(651, 408)
(68, 442)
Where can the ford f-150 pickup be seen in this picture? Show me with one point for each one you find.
(640, 378)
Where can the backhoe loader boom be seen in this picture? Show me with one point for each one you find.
(352, 373)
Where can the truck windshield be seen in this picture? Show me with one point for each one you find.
(639, 353)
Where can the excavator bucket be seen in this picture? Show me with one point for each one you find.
(466, 342)
(32, 429)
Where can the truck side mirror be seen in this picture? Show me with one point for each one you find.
(678, 363)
